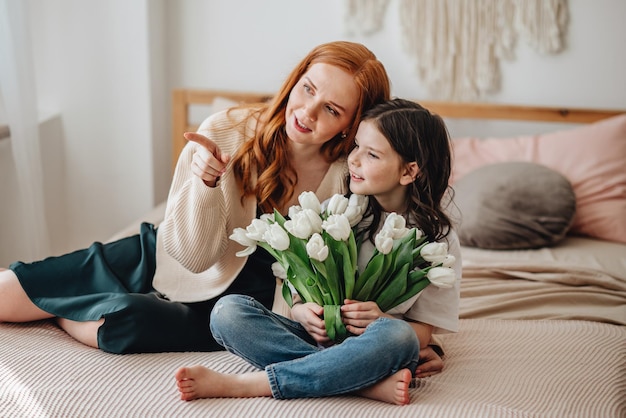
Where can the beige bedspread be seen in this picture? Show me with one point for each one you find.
(581, 278)
(542, 334)
(494, 368)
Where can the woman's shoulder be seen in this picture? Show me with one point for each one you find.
(227, 119)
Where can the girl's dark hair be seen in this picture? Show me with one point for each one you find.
(420, 136)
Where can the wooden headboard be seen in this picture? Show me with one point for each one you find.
(182, 99)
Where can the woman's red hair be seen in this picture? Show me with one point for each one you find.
(267, 152)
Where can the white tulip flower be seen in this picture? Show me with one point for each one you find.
(337, 205)
(239, 235)
(449, 261)
(357, 205)
(309, 200)
(279, 270)
(294, 211)
(316, 248)
(257, 229)
(384, 241)
(443, 277)
(434, 252)
(338, 227)
(304, 223)
(276, 237)
(396, 225)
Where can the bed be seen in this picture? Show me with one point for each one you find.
(543, 305)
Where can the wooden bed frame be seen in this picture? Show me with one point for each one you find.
(182, 99)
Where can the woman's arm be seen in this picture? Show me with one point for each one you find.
(195, 229)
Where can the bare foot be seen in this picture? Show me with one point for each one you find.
(394, 389)
(200, 382)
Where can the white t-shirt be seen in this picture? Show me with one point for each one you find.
(434, 306)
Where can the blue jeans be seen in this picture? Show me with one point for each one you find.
(296, 366)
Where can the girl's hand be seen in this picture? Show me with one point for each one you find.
(358, 315)
(208, 161)
(429, 363)
(309, 315)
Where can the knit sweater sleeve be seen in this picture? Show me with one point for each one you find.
(197, 220)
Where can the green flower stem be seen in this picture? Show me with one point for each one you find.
(335, 327)
(325, 283)
(348, 273)
(315, 291)
(337, 290)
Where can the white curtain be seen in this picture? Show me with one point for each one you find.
(19, 95)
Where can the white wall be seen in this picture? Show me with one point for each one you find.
(251, 45)
(107, 69)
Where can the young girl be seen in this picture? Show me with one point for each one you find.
(401, 159)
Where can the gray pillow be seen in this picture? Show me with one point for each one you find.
(514, 205)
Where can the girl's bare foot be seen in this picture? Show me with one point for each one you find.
(200, 382)
(394, 389)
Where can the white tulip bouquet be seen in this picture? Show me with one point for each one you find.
(316, 255)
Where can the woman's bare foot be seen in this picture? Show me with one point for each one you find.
(394, 389)
(200, 382)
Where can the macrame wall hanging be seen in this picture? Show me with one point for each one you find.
(458, 44)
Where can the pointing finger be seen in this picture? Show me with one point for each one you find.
(205, 143)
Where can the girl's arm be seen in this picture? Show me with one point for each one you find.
(358, 315)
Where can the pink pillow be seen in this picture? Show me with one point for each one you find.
(592, 157)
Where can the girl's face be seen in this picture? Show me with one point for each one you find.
(321, 105)
(377, 170)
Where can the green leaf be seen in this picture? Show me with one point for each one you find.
(335, 280)
(286, 290)
(404, 253)
(319, 267)
(279, 218)
(352, 247)
(274, 253)
(348, 272)
(367, 280)
(303, 279)
(413, 290)
(418, 260)
(394, 289)
(417, 275)
(384, 276)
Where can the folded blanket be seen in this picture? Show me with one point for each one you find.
(579, 279)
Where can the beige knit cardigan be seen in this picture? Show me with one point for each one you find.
(195, 259)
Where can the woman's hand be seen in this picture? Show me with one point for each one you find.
(309, 315)
(358, 315)
(208, 161)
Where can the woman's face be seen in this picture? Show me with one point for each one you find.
(321, 105)
(377, 170)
